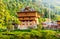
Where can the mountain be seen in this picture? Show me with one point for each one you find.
(53, 4)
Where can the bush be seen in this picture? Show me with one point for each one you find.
(10, 27)
(34, 34)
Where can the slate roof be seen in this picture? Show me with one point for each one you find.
(27, 8)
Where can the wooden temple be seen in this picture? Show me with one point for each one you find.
(28, 18)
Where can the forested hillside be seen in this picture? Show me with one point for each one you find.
(9, 9)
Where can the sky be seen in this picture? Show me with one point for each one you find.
(52, 1)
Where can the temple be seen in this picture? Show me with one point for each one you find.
(28, 18)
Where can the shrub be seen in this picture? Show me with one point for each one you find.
(34, 34)
(10, 27)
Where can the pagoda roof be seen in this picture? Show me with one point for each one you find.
(58, 21)
(27, 8)
(27, 12)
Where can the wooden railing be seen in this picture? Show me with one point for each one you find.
(27, 18)
(26, 14)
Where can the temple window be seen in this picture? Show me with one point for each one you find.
(23, 24)
(30, 24)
